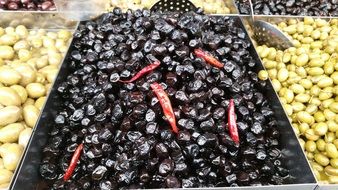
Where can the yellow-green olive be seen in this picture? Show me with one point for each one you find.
(334, 163)
(306, 83)
(325, 82)
(9, 97)
(310, 135)
(6, 52)
(302, 98)
(11, 154)
(9, 114)
(10, 133)
(5, 176)
(314, 71)
(9, 76)
(311, 109)
(40, 102)
(302, 60)
(21, 91)
(310, 146)
(29, 101)
(297, 106)
(321, 129)
(331, 171)
(329, 115)
(282, 74)
(303, 127)
(8, 39)
(25, 136)
(331, 150)
(321, 144)
(333, 107)
(263, 75)
(30, 115)
(27, 72)
(321, 159)
(333, 126)
(35, 90)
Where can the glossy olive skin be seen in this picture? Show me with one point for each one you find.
(290, 7)
(27, 5)
(128, 142)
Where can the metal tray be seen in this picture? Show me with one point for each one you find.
(275, 20)
(35, 20)
(302, 178)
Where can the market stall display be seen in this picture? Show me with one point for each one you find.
(151, 102)
(167, 100)
(305, 76)
(27, 5)
(29, 62)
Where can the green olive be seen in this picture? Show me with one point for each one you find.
(321, 159)
(10, 133)
(297, 106)
(333, 107)
(27, 72)
(8, 39)
(302, 60)
(31, 115)
(302, 98)
(325, 82)
(306, 83)
(9, 97)
(310, 135)
(321, 144)
(6, 52)
(9, 114)
(40, 102)
(331, 150)
(334, 163)
(331, 171)
(321, 129)
(25, 136)
(5, 176)
(310, 146)
(9, 76)
(21, 91)
(11, 154)
(263, 75)
(35, 90)
(315, 71)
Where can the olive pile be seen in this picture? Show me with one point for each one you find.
(209, 6)
(243, 6)
(30, 5)
(29, 62)
(128, 143)
(306, 78)
(290, 7)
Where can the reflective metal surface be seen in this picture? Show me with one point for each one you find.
(173, 5)
(270, 35)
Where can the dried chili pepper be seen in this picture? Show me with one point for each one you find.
(165, 104)
(232, 122)
(208, 58)
(73, 162)
(143, 71)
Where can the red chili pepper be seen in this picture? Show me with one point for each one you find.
(208, 58)
(232, 122)
(143, 71)
(165, 104)
(73, 162)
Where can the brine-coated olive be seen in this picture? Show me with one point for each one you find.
(26, 72)
(124, 130)
(312, 77)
